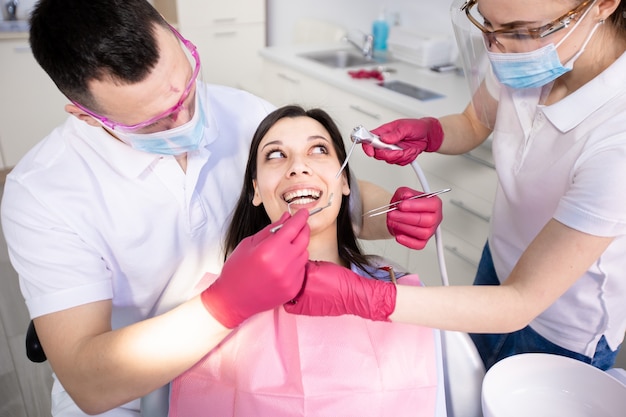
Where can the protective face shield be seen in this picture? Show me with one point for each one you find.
(476, 65)
(521, 57)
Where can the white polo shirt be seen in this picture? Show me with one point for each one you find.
(567, 161)
(88, 218)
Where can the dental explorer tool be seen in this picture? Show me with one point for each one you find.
(394, 206)
(312, 212)
(362, 135)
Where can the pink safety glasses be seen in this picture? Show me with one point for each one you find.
(115, 126)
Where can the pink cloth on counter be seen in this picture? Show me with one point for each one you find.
(281, 365)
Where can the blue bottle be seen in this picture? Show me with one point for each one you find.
(380, 31)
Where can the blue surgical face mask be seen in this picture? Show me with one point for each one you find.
(536, 68)
(176, 141)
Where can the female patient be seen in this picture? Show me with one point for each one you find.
(279, 364)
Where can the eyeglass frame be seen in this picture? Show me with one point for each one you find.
(534, 33)
(193, 50)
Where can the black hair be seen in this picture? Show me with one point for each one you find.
(247, 219)
(78, 41)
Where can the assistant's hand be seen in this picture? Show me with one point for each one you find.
(415, 221)
(332, 290)
(414, 136)
(264, 271)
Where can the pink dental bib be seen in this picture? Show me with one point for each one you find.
(282, 365)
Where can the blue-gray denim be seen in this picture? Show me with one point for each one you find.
(494, 347)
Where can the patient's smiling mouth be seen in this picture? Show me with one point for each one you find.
(302, 196)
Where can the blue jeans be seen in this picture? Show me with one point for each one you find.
(494, 347)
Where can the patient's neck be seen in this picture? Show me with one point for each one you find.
(323, 246)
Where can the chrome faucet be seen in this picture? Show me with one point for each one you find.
(367, 46)
(11, 6)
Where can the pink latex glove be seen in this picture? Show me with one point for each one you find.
(333, 290)
(264, 271)
(415, 221)
(414, 136)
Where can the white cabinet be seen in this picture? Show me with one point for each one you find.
(30, 104)
(472, 178)
(229, 35)
(282, 86)
(200, 13)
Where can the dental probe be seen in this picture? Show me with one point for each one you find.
(362, 135)
(394, 206)
(312, 212)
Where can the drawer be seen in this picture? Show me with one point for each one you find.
(198, 13)
(461, 171)
(425, 264)
(461, 260)
(464, 213)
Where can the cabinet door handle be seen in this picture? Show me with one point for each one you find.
(21, 49)
(288, 78)
(453, 250)
(481, 161)
(225, 34)
(225, 20)
(365, 112)
(471, 211)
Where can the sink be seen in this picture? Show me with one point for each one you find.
(14, 26)
(339, 59)
(410, 90)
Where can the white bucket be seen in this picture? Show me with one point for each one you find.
(537, 384)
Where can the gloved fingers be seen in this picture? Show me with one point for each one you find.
(403, 130)
(397, 157)
(291, 228)
(296, 298)
(390, 132)
(368, 149)
(316, 292)
(420, 225)
(431, 204)
(411, 242)
(402, 193)
(296, 273)
(398, 219)
(266, 231)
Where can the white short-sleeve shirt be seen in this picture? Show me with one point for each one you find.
(88, 218)
(567, 161)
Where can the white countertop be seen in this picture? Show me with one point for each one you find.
(451, 85)
(11, 35)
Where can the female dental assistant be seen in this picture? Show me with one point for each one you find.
(552, 276)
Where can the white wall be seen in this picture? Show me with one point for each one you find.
(430, 15)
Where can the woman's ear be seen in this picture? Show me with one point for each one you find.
(607, 7)
(81, 115)
(256, 200)
(345, 188)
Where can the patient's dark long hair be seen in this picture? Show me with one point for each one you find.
(248, 219)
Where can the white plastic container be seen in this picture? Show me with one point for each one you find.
(538, 384)
(423, 50)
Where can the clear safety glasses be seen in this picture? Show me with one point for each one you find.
(154, 123)
(515, 37)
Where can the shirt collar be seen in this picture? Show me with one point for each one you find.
(568, 113)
